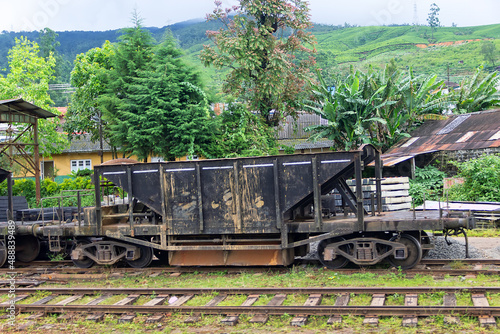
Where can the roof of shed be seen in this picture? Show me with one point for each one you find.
(25, 107)
(472, 131)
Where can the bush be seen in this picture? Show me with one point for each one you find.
(481, 180)
(49, 188)
(428, 184)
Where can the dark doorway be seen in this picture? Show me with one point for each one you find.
(48, 170)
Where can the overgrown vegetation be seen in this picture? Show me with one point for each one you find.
(239, 133)
(381, 107)
(49, 188)
(427, 185)
(481, 180)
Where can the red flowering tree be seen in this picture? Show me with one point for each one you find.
(269, 52)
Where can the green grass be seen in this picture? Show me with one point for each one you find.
(485, 233)
(294, 277)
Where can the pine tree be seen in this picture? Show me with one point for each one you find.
(164, 111)
(131, 55)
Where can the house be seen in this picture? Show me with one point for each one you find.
(82, 154)
(457, 138)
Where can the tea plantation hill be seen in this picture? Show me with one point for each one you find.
(455, 51)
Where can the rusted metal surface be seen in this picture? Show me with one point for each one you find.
(242, 257)
(459, 132)
(243, 195)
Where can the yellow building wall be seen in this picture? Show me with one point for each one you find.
(62, 162)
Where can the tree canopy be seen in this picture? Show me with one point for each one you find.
(28, 78)
(89, 79)
(264, 45)
(154, 103)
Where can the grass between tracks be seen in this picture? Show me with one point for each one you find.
(295, 277)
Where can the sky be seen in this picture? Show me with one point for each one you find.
(62, 15)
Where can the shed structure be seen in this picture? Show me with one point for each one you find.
(461, 137)
(21, 119)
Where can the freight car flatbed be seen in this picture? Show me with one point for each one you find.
(245, 211)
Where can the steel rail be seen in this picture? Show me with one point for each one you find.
(249, 291)
(229, 270)
(272, 310)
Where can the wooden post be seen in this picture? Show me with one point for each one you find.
(10, 215)
(36, 154)
(412, 168)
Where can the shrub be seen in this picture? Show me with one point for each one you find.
(481, 180)
(49, 188)
(428, 184)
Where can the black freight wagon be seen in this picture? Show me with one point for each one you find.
(245, 211)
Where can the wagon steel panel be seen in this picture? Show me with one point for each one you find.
(245, 195)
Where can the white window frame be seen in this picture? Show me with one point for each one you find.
(81, 164)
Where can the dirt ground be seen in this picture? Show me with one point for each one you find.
(490, 246)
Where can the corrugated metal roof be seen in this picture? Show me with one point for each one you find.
(84, 145)
(292, 128)
(303, 144)
(24, 107)
(460, 132)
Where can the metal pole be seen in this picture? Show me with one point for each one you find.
(101, 146)
(79, 204)
(359, 192)
(318, 219)
(98, 212)
(378, 180)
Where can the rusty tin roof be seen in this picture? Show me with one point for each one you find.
(458, 132)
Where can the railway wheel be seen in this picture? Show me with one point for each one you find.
(27, 248)
(86, 262)
(414, 252)
(3, 253)
(339, 261)
(144, 259)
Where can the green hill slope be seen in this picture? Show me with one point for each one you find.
(453, 47)
(457, 50)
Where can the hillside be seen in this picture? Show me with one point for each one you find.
(458, 48)
(455, 51)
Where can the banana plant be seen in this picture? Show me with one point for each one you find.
(478, 92)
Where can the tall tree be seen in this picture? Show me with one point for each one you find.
(264, 46)
(48, 46)
(132, 54)
(28, 78)
(89, 79)
(166, 113)
(433, 18)
(489, 51)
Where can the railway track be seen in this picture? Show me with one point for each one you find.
(64, 270)
(260, 303)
